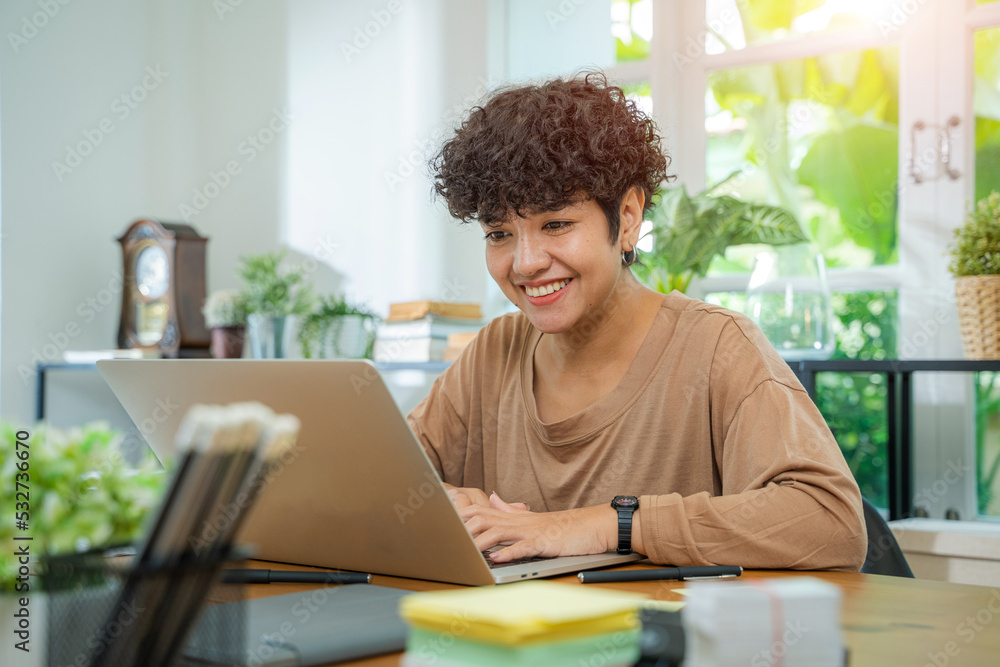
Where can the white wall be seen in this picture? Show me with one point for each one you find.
(58, 248)
(558, 37)
(397, 74)
(322, 176)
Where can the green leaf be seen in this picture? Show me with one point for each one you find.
(856, 171)
(271, 290)
(690, 232)
(987, 156)
(768, 224)
(82, 491)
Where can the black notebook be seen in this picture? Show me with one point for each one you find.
(314, 627)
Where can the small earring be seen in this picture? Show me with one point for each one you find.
(630, 256)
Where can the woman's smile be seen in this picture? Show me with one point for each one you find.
(538, 295)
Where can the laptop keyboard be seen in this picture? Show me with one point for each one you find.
(517, 561)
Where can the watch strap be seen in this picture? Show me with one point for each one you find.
(625, 531)
(626, 507)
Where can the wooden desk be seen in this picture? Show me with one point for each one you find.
(887, 621)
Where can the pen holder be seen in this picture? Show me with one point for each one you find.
(102, 611)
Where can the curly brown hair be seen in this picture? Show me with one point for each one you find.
(544, 147)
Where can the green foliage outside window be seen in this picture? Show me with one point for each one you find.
(988, 443)
(970, 256)
(818, 137)
(854, 404)
(761, 17)
(628, 22)
(986, 102)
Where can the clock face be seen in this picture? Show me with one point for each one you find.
(152, 272)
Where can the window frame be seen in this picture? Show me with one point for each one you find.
(936, 53)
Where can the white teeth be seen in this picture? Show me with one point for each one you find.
(546, 289)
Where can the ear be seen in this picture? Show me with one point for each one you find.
(630, 216)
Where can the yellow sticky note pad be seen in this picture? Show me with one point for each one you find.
(524, 612)
(664, 605)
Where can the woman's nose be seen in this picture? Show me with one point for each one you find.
(530, 257)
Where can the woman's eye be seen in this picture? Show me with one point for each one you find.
(557, 224)
(495, 237)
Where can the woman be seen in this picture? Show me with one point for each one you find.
(601, 391)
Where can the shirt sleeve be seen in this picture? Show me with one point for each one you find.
(788, 497)
(442, 420)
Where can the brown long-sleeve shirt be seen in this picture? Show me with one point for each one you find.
(731, 461)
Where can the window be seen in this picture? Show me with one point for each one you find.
(868, 121)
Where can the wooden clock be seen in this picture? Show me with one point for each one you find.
(163, 289)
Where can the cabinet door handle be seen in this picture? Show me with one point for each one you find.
(943, 156)
(945, 148)
(915, 175)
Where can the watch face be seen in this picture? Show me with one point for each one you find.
(625, 502)
(151, 272)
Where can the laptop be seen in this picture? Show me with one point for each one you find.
(356, 493)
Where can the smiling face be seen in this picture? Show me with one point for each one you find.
(558, 266)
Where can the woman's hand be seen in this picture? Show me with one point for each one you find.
(578, 532)
(466, 497)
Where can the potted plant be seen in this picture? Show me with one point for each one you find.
(272, 294)
(80, 494)
(975, 264)
(689, 232)
(226, 315)
(338, 329)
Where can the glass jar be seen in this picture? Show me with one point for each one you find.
(789, 299)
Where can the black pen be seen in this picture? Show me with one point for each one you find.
(662, 573)
(293, 577)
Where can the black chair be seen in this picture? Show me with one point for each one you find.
(884, 555)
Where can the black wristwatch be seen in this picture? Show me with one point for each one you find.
(625, 506)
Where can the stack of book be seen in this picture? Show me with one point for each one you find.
(93, 356)
(793, 622)
(426, 331)
(521, 625)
